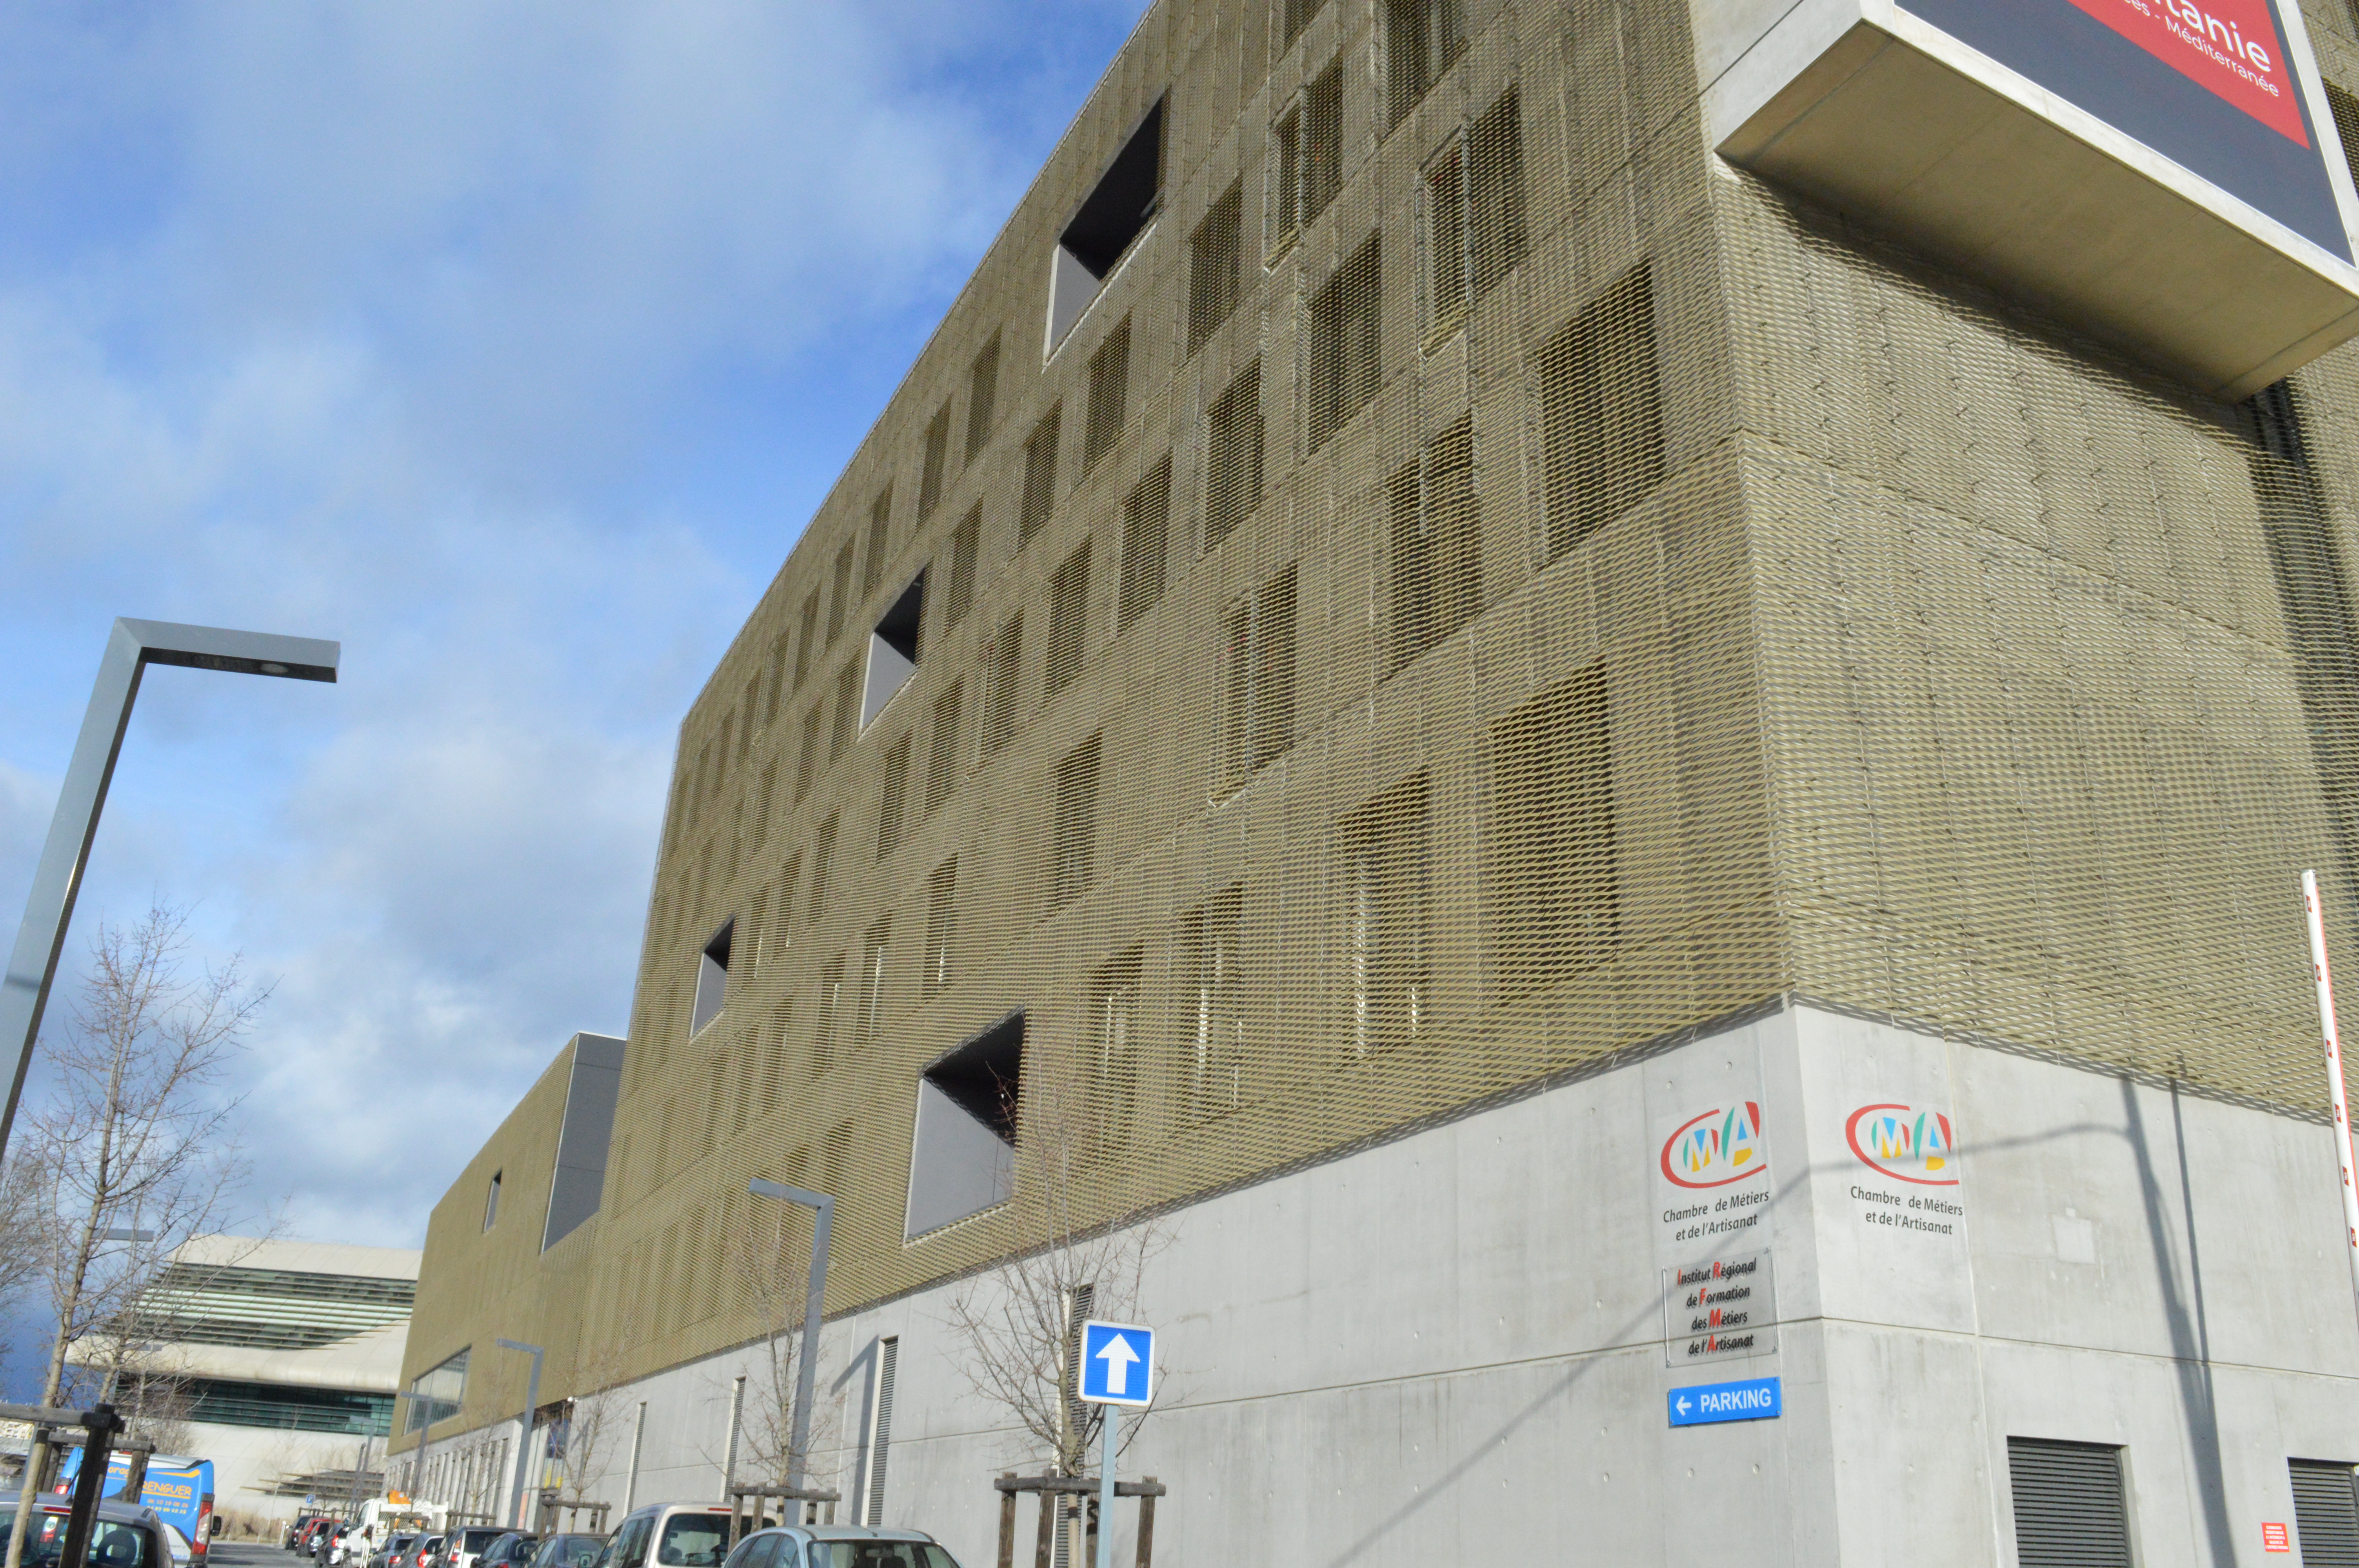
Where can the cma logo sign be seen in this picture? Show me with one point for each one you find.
(1720, 1146)
(1905, 1143)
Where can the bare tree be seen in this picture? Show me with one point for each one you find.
(596, 1421)
(769, 1265)
(132, 1152)
(1019, 1321)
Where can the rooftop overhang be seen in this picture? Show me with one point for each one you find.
(2105, 161)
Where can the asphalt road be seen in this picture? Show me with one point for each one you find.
(228, 1553)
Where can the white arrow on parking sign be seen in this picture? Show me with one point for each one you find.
(1684, 1406)
(1119, 1358)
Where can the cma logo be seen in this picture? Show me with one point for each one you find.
(1904, 1143)
(1720, 1146)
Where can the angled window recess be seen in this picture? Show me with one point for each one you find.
(713, 977)
(1116, 212)
(893, 650)
(963, 1160)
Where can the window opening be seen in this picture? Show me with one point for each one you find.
(1286, 188)
(942, 924)
(1445, 242)
(712, 975)
(1345, 342)
(2068, 1507)
(1075, 845)
(492, 1201)
(847, 711)
(839, 604)
(942, 750)
(1117, 210)
(824, 1035)
(439, 1393)
(963, 1156)
(1552, 876)
(1003, 659)
(1210, 948)
(1257, 694)
(1322, 141)
(1386, 848)
(822, 864)
(1435, 535)
(1495, 188)
(1039, 475)
(1234, 458)
(763, 800)
(893, 650)
(1601, 411)
(1109, 395)
(807, 638)
(1146, 529)
(806, 756)
(1423, 38)
(880, 540)
(893, 798)
(1068, 610)
(937, 460)
(1114, 1026)
(966, 539)
(871, 979)
(1213, 279)
(1297, 14)
(983, 392)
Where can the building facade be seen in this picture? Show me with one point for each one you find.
(1466, 705)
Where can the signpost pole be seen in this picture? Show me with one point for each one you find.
(1113, 1418)
(2333, 1074)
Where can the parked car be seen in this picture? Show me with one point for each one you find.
(301, 1526)
(405, 1550)
(125, 1535)
(516, 1548)
(670, 1535)
(398, 1543)
(468, 1542)
(572, 1550)
(433, 1553)
(838, 1546)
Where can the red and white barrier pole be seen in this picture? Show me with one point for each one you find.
(2333, 1073)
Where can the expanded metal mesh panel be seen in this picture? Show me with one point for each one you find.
(1550, 596)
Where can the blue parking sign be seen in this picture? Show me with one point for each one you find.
(1118, 1363)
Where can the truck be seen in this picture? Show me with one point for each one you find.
(180, 1490)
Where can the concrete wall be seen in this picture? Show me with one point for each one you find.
(1450, 1347)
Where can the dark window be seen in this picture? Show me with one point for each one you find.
(1069, 611)
(1322, 141)
(847, 711)
(1494, 184)
(1233, 457)
(1553, 883)
(763, 801)
(491, 1203)
(1213, 267)
(873, 949)
(777, 680)
(1039, 475)
(982, 392)
(822, 864)
(1286, 177)
(880, 541)
(1003, 659)
(966, 539)
(808, 639)
(2068, 1507)
(1345, 341)
(1116, 212)
(893, 650)
(825, 1039)
(1446, 262)
(1423, 38)
(942, 924)
(1210, 948)
(943, 751)
(1297, 14)
(1109, 395)
(1146, 529)
(1437, 545)
(1601, 411)
(893, 798)
(964, 1156)
(1385, 851)
(937, 462)
(1114, 1052)
(839, 604)
(1073, 844)
(2325, 1513)
(713, 977)
(807, 758)
(1257, 688)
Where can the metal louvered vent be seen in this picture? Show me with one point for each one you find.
(2069, 1511)
(2326, 1511)
(880, 1443)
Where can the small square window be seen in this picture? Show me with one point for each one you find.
(713, 977)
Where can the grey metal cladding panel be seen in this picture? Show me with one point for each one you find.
(589, 1128)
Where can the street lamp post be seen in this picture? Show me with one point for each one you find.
(806, 1359)
(130, 649)
(531, 1403)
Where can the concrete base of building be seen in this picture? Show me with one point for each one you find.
(1465, 1343)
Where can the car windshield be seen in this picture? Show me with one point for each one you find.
(693, 1540)
(879, 1554)
(112, 1545)
(477, 1539)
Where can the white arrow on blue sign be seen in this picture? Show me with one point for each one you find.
(1118, 1363)
(1755, 1398)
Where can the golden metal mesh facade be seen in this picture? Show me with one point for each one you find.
(1484, 586)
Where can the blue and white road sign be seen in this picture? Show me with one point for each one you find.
(1755, 1398)
(1118, 1363)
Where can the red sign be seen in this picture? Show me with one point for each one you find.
(2230, 47)
(2273, 1539)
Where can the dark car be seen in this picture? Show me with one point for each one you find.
(123, 1536)
(402, 1550)
(469, 1542)
(515, 1547)
(570, 1551)
(838, 1546)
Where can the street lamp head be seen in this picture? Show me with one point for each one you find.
(235, 652)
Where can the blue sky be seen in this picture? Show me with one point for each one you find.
(511, 344)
